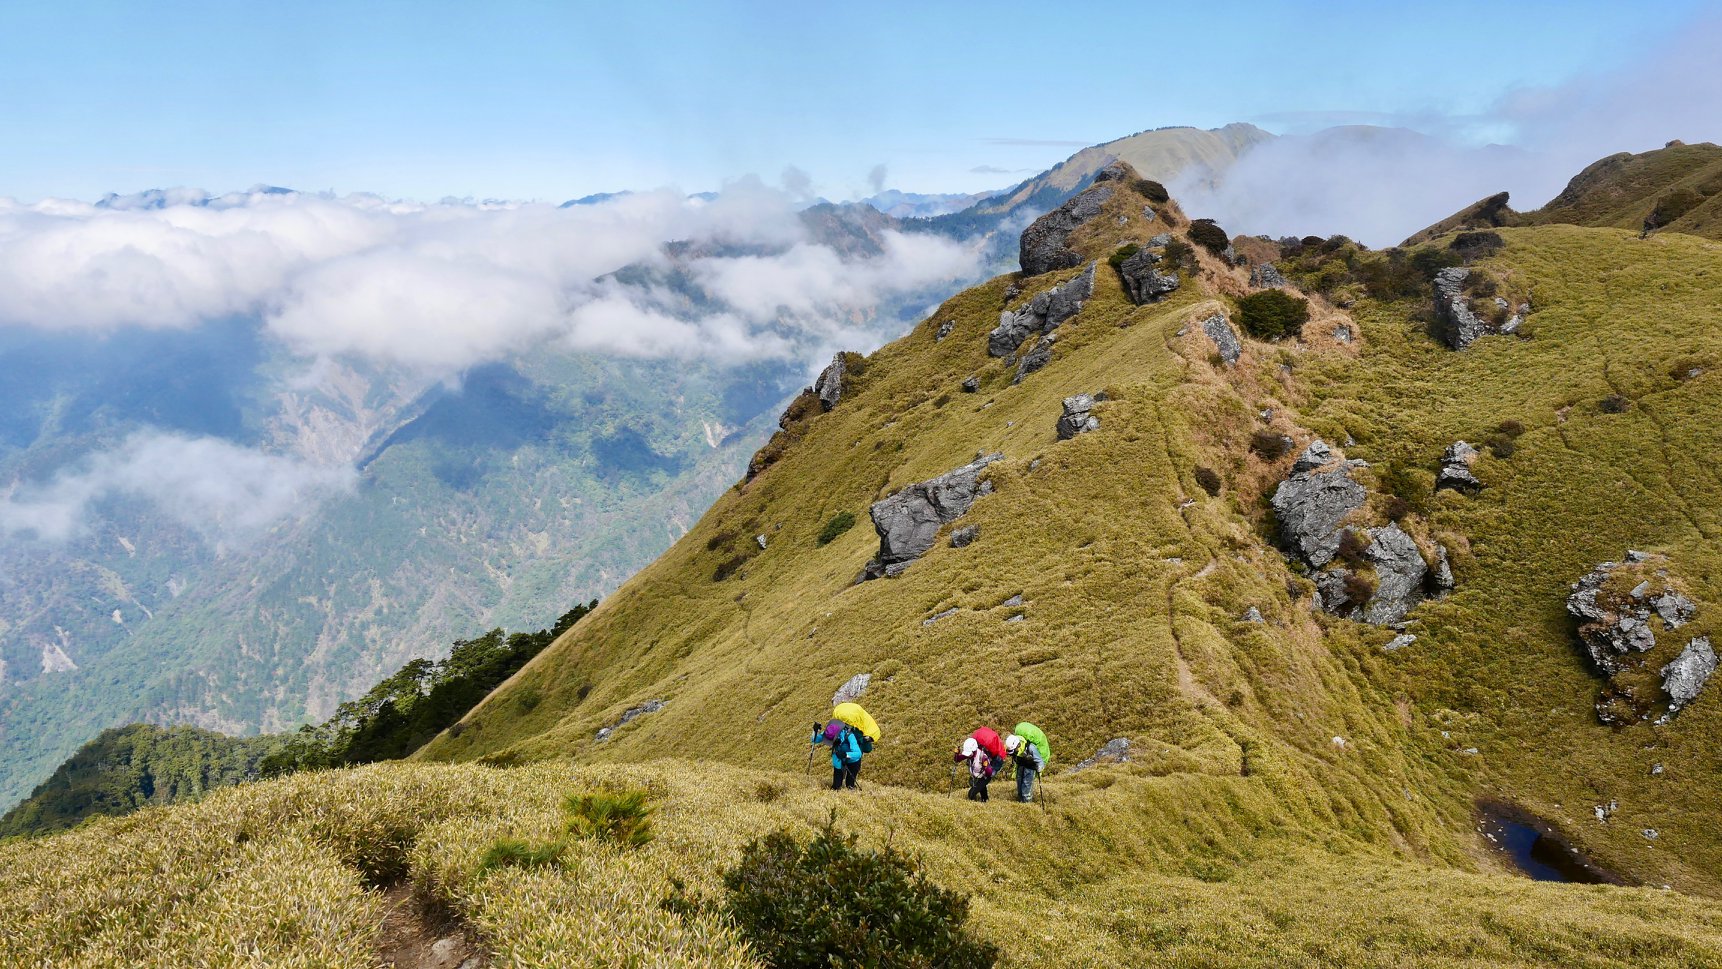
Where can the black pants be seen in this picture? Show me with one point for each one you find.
(978, 787)
(842, 777)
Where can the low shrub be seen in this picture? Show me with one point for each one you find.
(828, 903)
(515, 853)
(1359, 589)
(620, 817)
(728, 567)
(1352, 546)
(719, 541)
(1151, 190)
(1396, 509)
(1179, 254)
(1122, 253)
(1614, 404)
(1209, 481)
(1510, 428)
(1672, 206)
(1208, 235)
(836, 525)
(1268, 445)
(1471, 246)
(1272, 313)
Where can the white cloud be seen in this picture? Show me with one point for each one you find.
(228, 493)
(442, 287)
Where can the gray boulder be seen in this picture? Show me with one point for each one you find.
(1143, 282)
(1114, 751)
(829, 386)
(1115, 172)
(1076, 418)
(1455, 324)
(852, 689)
(1316, 455)
(1037, 357)
(1441, 580)
(1220, 332)
(1266, 276)
(1456, 469)
(1342, 333)
(1399, 572)
(1684, 678)
(1400, 642)
(1311, 507)
(971, 385)
(1252, 614)
(1611, 630)
(1160, 241)
(1044, 313)
(650, 706)
(1330, 591)
(1675, 609)
(1042, 247)
(945, 329)
(908, 522)
(965, 536)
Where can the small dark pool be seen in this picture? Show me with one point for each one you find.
(1533, 853)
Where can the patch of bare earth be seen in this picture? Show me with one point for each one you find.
(419, 935)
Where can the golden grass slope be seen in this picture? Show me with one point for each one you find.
(1134, 580)
(285, 874)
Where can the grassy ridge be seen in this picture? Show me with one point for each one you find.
(1119, 871)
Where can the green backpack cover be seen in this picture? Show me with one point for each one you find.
(1036, 736)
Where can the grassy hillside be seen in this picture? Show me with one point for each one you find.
(1296, 794)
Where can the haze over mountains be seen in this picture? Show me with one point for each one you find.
(259, 448)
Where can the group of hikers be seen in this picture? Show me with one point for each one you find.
(851, 733)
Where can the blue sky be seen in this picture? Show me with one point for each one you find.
(556, 100)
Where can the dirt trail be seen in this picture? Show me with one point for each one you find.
(416, 936)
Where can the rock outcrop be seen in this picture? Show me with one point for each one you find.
(1316, 455)
(1143, 281)
(965, 536)
(1266, 276)
(1042, 247)
(1114, 751)
(1076, 418)
(1455, 324)
(1621, 607)
(971, 385)
(1684, 678)
(829, 386)
(650, 706)
(1225, 341)
(908, 522)
(1456, 469)
(852, 689)
(1037, 357)
(1399, 575)
(1042, 315)
(1312, 506)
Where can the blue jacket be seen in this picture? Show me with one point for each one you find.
(844, 750)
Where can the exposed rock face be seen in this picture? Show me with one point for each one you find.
(1400, 642)
(1037, 357)
(1114, 751)
(1314, 456)
(1311, 506)
(829, 386)
(852, 689)
(1441, 580)
(1042, 247)
(1225, 341)
(1266, 276)
(1399, 572)
(945, 329)
(965, 536)
(908, 522)
(1076, 418)
(1043, 314)
(1115, 172)
(971, 385)
(1160, 241)
(1331, 593)
(1621, 606)
(1456, 469)
(1342, 333)
(650, 706)
(1455, 324)
(1252, 614)
(1684, 678)
(1143, 282)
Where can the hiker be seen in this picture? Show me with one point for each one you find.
(1030, 761)
(846, 751)
(984, 752)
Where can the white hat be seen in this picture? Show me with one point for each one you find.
(970, 745)
(1012, 743)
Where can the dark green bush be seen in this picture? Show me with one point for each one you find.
(1428, 262)
(1151, 190)
(1672, 206)
(1396, 508)
(1268, 445)
(1122, 253)
(1359, 589)
(1178, 253)
(1209, 481)
(620, 817)
(1272, 313)
(1614, 404)
(1204, 233)
(728, 567)
(827, 903)
(1481, 244)
(1353, 543)
(835, 526)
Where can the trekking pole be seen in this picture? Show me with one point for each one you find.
(1040, 788)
